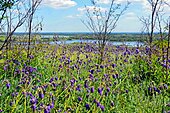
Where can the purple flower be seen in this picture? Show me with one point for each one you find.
(126, 91)
(165, 86)
(46, 110)
(33, 100)
(101, 66)
(137, 51)
(72, 82)
(52, 105)
(100, 91)
(102, 107)
(92, 71)
(41, 95)
(51, 80)
(108, 89)
(8, 85)
(92, 89)
(31, 56)
(113, 65)
(87, 107)
(86, 84)
(78, 88)
(80, 99)
(33, 107)
(98, 104)
(150, 89)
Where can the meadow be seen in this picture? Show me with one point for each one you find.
(70, 79)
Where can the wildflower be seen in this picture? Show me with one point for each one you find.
(78, 88)
(80, 99)
(33, 107)
(52, 105)
(51, 80)
(98, 104)
(126, 91)
(86, 84)
(8, 85)
(92, 71)
(100, 91)
(113, 65)
(92, 89)
(165, 86)
(33, 100)
(87, 106)
(150, 89)
(108, 89)
(137, 51)
(102, 107)
(41, 95)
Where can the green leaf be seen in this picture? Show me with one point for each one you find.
(2, 61)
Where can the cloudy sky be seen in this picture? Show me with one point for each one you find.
(66, 15)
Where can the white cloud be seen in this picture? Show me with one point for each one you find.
(59, 3)
(103, 1)
(145, 4)
(74, 16)
(91, 8)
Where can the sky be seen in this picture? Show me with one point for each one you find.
(66, 15)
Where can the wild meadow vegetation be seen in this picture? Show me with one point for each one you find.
(69, 78)
(38, 77)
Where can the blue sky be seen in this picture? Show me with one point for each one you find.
(66, 15)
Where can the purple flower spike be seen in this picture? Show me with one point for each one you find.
(33, 100)
(137, 51)
(108, 89)
(100, 91)
(52, 105)
(113, 65)
(41, 95)
(86, 84)
(102, 108)
(8, 85)
(51, 80)
(98, 104)
(92, 89)
(80, 99)
(126, 91)
(87, 106)
(33, 107)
